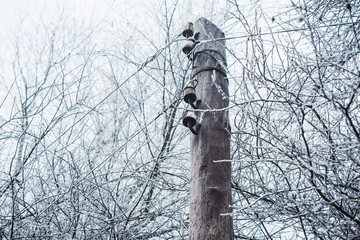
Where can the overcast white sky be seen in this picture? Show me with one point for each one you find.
(11, 11)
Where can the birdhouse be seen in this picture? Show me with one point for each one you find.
(188, 30)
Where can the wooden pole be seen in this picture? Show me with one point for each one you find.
(210, 182)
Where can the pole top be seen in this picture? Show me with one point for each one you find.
(210, 30)
(211, 41)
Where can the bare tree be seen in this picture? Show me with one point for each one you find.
(296, 136)
(91, 133)
(90, 140)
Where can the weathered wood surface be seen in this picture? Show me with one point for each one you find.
(210, 182)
